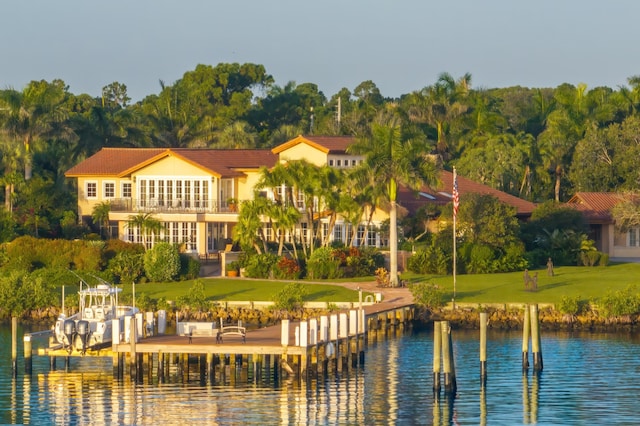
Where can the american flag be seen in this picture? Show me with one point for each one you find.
(455, 194)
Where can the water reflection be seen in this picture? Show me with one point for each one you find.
(394, 387)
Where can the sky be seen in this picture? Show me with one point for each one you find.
(400, 45)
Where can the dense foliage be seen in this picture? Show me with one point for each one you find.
(162, 262)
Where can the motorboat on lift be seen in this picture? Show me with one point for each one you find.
(92, 326)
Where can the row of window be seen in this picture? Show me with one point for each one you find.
(186, 233)
(108, 189)
(344, 162)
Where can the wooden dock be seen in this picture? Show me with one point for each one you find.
(304, 349)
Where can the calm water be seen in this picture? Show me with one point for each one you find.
(587, 379)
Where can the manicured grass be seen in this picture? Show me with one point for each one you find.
(244, 290)
(587, 283)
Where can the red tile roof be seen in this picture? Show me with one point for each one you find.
(596, 206)
(221, 162)
(326, 144)
(114, 161)
(442, 195)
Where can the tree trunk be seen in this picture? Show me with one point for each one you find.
(7, 196)
(557, 185)
(393, 245)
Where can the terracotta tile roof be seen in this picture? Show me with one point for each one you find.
(442, 195)
(221, 162)
(326, 144)
(114, 161)
(596, 206)
(228, 162)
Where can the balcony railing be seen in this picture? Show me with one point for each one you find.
(171, 206)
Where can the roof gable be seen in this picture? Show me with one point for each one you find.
(325, 144)
(219, 162)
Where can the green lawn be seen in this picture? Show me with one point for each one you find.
(587, 283)
(584, 282)
(243, 290)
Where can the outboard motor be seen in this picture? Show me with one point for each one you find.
(84, 333)
(69, 328)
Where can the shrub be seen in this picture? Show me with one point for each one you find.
(480, 259)
(364, 261)
(287, 269)
(427, 295)
(127, 266)
(260, 265)
(513, 259)
(189, 267)
(571, 305)
(621, 302)
(162, 262)
(429, 260)
(195, 297)
(592, 258)
(325, 263)
(382, 277)
(290, 298)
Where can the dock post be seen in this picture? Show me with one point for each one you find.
(14, 346)
(52, 359)
(535, 340)
(27, 354)
(437, 351)
(483, 348)
(526, 328)
(132, 348)
(450, 385)
(284, 332)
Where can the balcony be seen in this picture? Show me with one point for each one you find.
(153, 205)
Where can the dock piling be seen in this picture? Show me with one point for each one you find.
(483, 347)
(437, 350)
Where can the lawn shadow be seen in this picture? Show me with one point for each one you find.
(316, 295)
(552, 285)
(229, 294)
(463, 294)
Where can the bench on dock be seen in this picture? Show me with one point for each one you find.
(197, 329)
(231, 330)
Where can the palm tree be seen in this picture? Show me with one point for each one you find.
(37, 113)
(146, 225)
(100, 215)
(396, 160)
(439, 105)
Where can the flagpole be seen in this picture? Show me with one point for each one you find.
(455, 214)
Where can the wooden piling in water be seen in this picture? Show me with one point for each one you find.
(536, 351)
(437, 350)
(483, 347)
(450, 385)
(26, 349)
(526, 331)
(14, 346)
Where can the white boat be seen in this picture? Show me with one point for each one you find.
(92, 326)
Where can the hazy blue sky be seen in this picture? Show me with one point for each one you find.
(401, 45)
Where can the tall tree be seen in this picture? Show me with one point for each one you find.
(33, 116)
(396, 159)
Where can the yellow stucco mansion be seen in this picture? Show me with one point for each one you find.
(193, 192)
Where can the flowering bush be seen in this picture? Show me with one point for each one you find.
(287, 269)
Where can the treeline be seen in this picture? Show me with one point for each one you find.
(535, 143)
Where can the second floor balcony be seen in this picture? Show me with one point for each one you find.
(154, 205)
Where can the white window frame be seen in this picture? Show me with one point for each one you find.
(105, 192)
(95, 189)
(123, 192)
